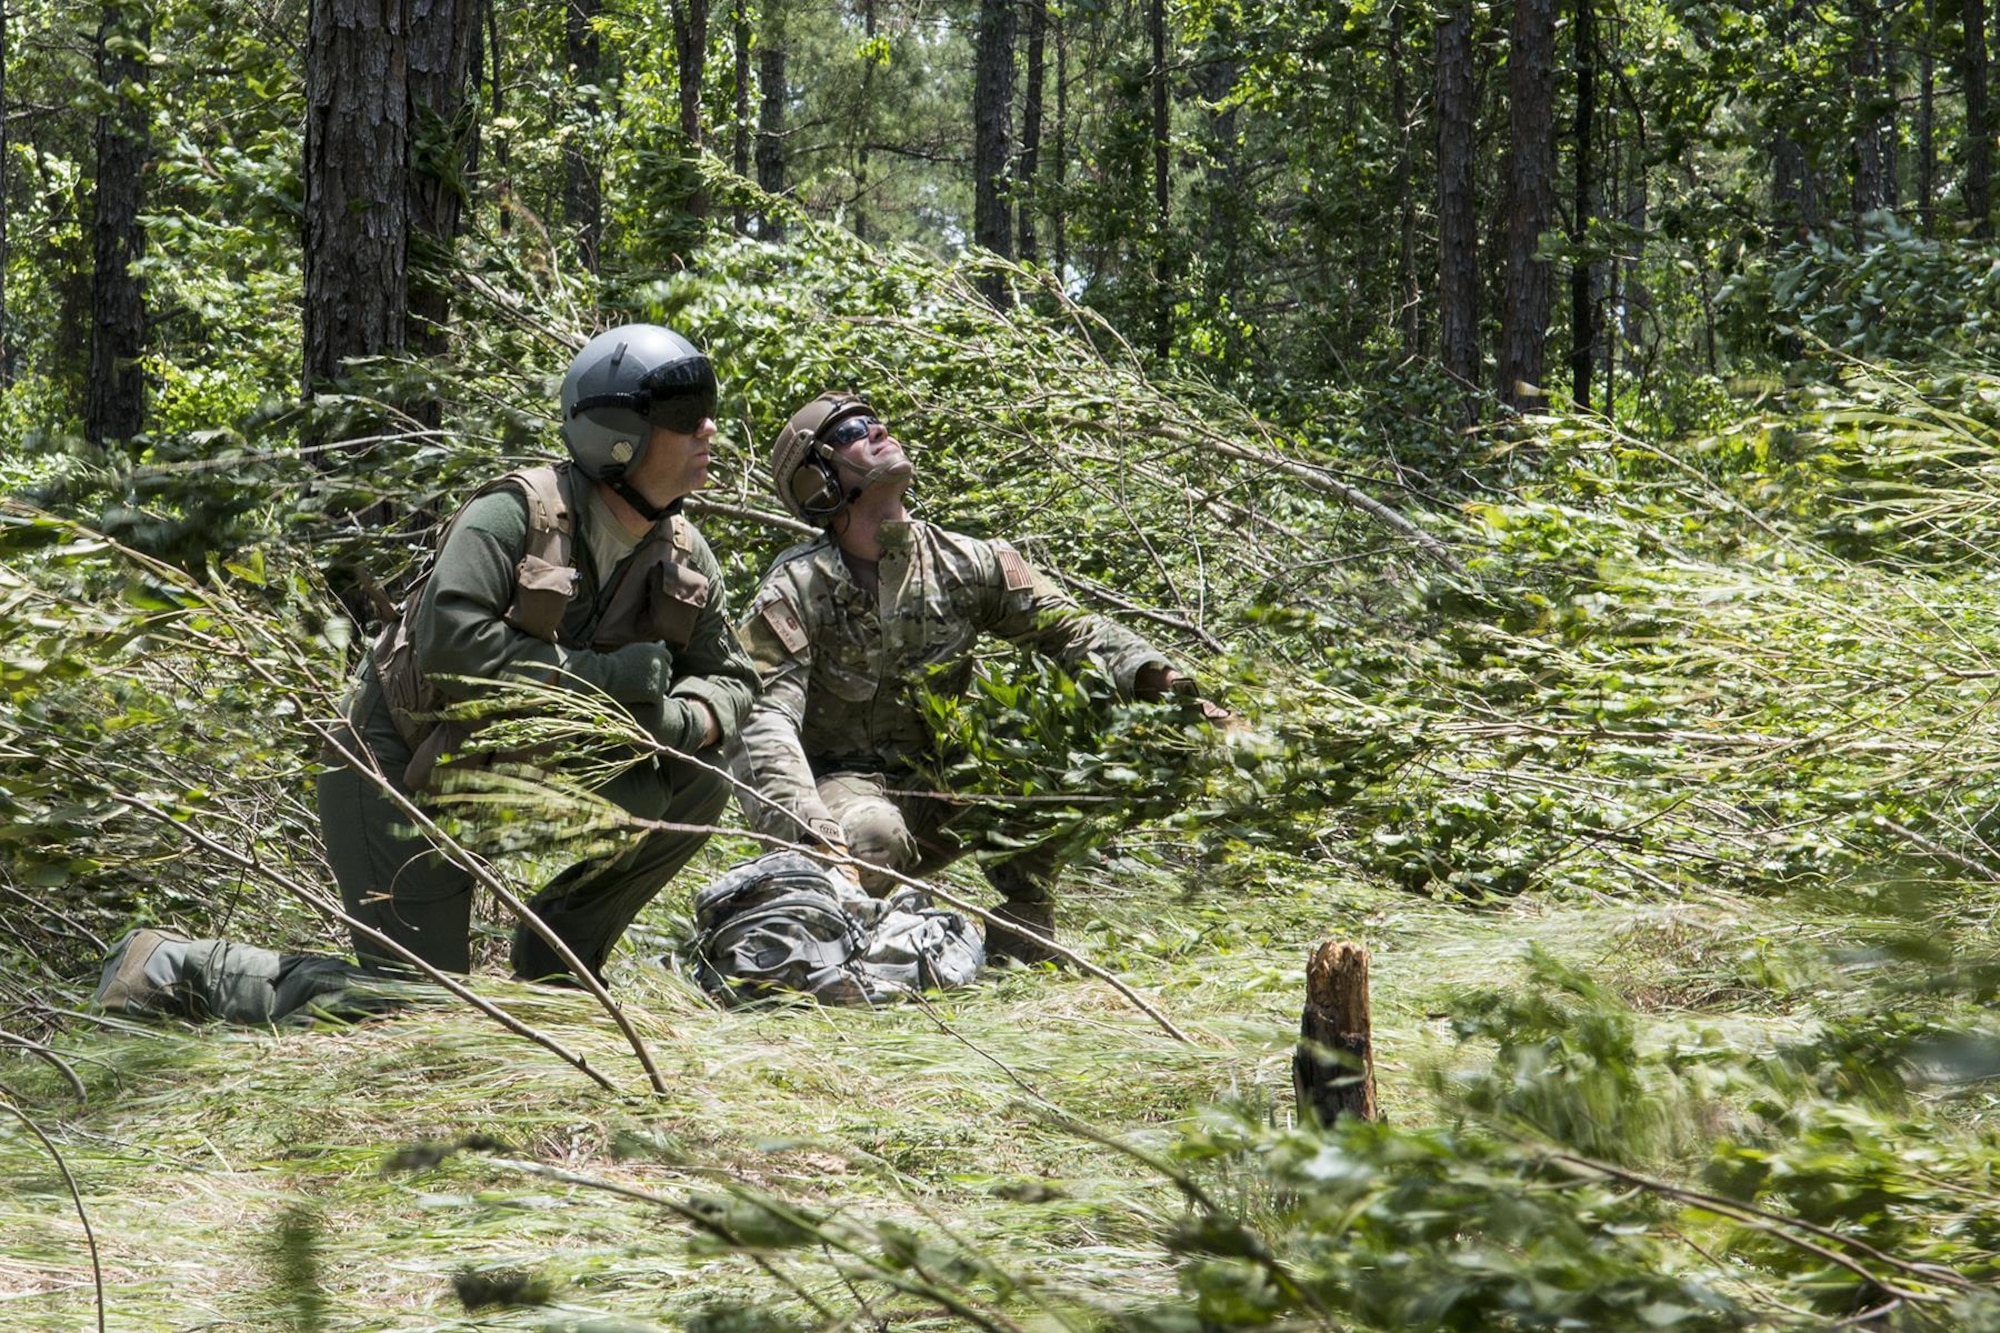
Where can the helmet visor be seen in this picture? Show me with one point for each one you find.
(681, 395)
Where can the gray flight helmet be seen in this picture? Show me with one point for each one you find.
(625, 382)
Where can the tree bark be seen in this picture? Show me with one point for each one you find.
(1058, 211)
(771, 94)
(1029, 163)
(1408, 313)
(583, 184)
(1582, 297)
(1223, 177)
(356, 186)
(993, 137)
(1927, 121)
(115, 401)
(443, 42)
(1978, 138)
(691, 50)
(1333, 1070)
(1873, 171)
(865, 128)
(6, 333)
(388, 133)
(1524, 316)
(1458, 229)
(1163, 272)
(739, 157)
(503, 153)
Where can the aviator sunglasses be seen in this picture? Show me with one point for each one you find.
(852, 429)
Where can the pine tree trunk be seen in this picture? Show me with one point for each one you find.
(1029, 163)
(1582, 300)
(771, 93)
(1227, 195)
(503, 153)
(1927, 121)
(739, 157)
(1163, 272)
(1872, 169)
(1058, 211)
(993, 137)
(1458, 229)
(865, 127)
(691, 50)
(443, 43)
(1408, 317)
(6, 333)
(1978, 139)
(356, 186)
(583, 187)
(1524, 315)
(115, 401)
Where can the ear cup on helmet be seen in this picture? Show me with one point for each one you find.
(815, 484)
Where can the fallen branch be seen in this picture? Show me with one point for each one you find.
(36, 1048)
(76, 1197)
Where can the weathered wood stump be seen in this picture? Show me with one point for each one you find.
(1333, 1071)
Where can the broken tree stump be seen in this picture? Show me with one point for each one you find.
(1333, 1071)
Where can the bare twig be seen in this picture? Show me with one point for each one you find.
(1793, 1231)
(76, 1197)
(328, 909)
(68, 1072)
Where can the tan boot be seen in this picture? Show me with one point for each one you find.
(145, 975)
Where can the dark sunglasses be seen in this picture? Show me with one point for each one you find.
(852, 429)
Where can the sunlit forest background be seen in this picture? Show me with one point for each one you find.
(1564, 434)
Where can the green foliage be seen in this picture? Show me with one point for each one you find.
(1040, 758)
(1882, 291)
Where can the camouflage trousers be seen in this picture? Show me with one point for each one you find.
(888, 825)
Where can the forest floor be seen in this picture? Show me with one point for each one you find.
(244, 1179)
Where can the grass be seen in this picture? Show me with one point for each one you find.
(197, 1143)
(1738, 781)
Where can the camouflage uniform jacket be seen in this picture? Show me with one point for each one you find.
(840, 665)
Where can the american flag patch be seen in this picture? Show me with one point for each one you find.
(1013, 568)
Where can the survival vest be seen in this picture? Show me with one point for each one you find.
(657, 598)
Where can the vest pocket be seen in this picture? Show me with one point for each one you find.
(674, 601)
(541, 595)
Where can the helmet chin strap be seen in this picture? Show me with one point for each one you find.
(649, 511)
(901, 467)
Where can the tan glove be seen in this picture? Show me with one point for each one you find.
(1157, 682)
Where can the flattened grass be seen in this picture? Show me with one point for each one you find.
(197, 1143)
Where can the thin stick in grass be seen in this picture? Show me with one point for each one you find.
(76, 1197)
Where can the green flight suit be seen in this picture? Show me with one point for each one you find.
(833, 736)
(392, 879)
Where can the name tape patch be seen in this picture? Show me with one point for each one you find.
(784, 621)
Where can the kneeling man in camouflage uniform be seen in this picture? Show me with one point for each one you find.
(583, 574)
(846, 627)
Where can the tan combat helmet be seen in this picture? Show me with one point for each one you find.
(802, 466)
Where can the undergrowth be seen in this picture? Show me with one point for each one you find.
(1662, 794)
